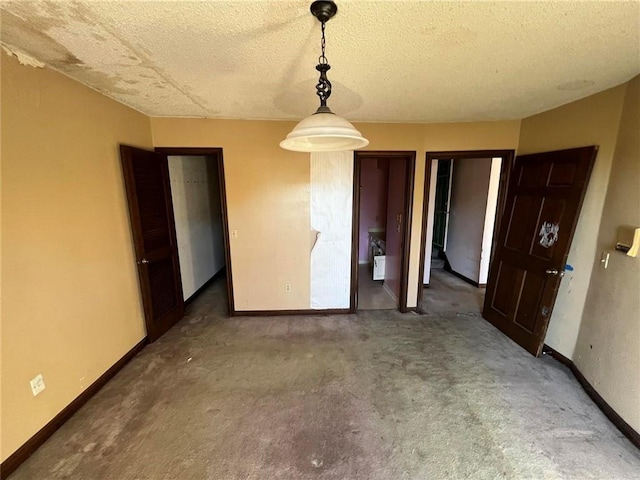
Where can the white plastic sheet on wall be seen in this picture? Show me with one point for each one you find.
(331, 216)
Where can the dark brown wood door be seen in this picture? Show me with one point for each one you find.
(544, 198)
(146, 176)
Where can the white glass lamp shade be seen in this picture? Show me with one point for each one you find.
(324, 132)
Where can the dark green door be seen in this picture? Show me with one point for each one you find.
(441, 214)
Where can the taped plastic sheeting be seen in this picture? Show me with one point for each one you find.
(331, 216)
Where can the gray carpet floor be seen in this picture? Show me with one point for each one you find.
(449, 295)
(378, 395)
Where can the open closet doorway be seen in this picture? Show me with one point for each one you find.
(464, 201)
(177, 207)
(383, 195)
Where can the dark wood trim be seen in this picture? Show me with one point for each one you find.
(225, 230)
(25, 451)
(217, 154)
(278, 313)
(406, 236)
(508, 158)
(204, 286)
(410, 157)
(464, 278)
(196, 151)
(423, 235)
(355, 234)
(547, 350)
(609, 412)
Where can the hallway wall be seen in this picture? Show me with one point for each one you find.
(467, 211)
(195, 194)
(374, 184)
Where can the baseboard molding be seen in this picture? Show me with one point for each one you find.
(25, 451)
(216, 275)
(462, 277)
(547, 350)
(610, 413)
(278, 313)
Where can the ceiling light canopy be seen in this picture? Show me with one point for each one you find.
(323, 131)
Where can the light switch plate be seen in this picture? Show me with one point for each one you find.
(37, 384)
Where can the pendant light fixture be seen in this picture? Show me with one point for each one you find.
(324, 131)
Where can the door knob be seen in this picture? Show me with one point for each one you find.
(554, 271)
(144, 261)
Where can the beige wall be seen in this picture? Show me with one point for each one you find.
(423, 138)
(608, 347)
(591, 121)
(268, 206)
(268, 194)
(70, 303)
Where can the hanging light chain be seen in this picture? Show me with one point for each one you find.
(323, 58)
(323, 87)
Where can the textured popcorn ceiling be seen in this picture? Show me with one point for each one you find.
(416, 61)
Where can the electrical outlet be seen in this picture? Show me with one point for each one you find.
(37, 384)
(287, 287)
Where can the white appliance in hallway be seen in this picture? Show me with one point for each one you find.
(377, 247)
(378, 267)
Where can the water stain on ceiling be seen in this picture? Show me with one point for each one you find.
(391, 61)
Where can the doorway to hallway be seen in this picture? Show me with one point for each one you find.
(464, 200)
(179, 228)
(382, 199)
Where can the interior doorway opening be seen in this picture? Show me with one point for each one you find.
(383, 195)
(197, 209)
(199, 198)
(178, 215)
(464, 201)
